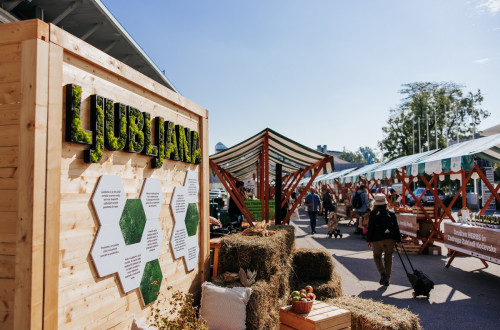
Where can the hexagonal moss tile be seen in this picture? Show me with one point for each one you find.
(151, 281)
(192, 219)
(132, 221)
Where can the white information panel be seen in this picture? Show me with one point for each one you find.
(184, 207)
(130, 234)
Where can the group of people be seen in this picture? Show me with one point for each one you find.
(382, 231)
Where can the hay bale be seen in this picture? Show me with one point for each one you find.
(312, 264)
(266, 255)
(373, 315)
(323, 290)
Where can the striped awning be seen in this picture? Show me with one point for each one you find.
(388, 170)
(241, 160)
(330, 178)
(354, 176)
(459, 156)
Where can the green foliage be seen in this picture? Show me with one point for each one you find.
(135, 133)
(96, 154)
(151, 281)
(171, 147)
(78, 134)
(182, 315)
(368, 154)
(132, 221)
(182, 143)
(112, 112)
(195, 148)
(192, 219)
(450, 110)
(149, 149)
(160, 142)
(352, 157)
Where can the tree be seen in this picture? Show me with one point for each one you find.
(449, 113)
(368, 154)
(352, 157)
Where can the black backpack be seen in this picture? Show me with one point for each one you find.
(357, 202)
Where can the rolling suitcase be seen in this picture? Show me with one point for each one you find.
(421, 283)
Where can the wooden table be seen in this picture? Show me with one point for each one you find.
(215, 244)
(321, 316)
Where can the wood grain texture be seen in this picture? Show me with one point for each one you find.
(7, 288)
(31, 191)
(23, 30)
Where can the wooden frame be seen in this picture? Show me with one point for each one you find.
(47, 222)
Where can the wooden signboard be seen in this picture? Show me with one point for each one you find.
(479, 242)
(71, 115)
(407, 224)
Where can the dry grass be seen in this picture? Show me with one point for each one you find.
(372, 315)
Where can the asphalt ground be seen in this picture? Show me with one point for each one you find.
(465, 296)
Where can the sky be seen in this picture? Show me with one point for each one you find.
(321, 72)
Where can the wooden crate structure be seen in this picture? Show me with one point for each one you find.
(47, 221)
(321, 316)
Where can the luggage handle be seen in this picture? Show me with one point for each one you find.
(413, 269)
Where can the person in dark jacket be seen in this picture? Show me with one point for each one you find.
(383, 233)
(233, 211)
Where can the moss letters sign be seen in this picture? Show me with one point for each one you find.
(117, 126)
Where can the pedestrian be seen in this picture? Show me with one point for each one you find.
(233, 211)
(327, 203)
(383, 233)
(359, 202)
(313, 203)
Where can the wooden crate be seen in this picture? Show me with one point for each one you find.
(321, 316)
(410, 248)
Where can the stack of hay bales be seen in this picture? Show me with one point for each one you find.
(372, 315)
(271, 258)
(315, 267)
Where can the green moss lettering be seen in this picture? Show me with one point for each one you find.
(195, 148)
(74, 130)
(116, 126)
(187, 147)
(94, 154)
(160, 142)
(135, 120)
(149, 149)
(182, 143)
(171, 146)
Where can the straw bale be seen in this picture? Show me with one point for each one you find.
(266, 255)
(373, 315)
(323, 290)
(312, 264)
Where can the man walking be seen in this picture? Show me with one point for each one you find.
(359, 202)
(312, 202)
(383, 232)
(327, 203)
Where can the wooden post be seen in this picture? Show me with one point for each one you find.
(277, 194)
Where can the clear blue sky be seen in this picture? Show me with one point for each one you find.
(317, 71)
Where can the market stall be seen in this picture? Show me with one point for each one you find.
(264, 156)
(104, 185)
(460, 162)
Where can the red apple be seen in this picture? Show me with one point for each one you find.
(309, 289)
(303, 291)
(311, 296)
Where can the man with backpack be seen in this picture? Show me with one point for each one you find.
(359, 202)
(383, 233)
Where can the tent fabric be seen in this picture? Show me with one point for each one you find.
(388, 170)
(241, 160)
(355, 175)
(459, 156)
(330, 178)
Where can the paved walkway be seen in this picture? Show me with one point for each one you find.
(465, 296)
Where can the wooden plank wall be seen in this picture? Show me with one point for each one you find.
(10, 103)
(80, 291)
(47, 222)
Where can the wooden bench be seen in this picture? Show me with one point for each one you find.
(321, 316)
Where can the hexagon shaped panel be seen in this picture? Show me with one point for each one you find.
(192, 219)
(151, 281)
(109, 199)
(132, 221)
